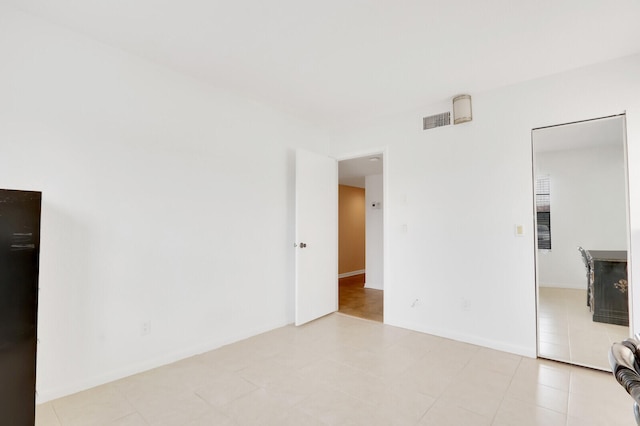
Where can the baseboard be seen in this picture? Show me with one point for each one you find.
(351, 274)
(374, 286)
(567, 286)
(529, 352)
(100, 379)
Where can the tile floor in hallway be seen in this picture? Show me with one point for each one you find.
(342, 370)
(568, 333)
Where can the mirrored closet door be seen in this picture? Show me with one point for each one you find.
(580, 181)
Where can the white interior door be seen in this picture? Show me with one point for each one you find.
(316, 236)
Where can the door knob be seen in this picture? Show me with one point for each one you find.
(303, 245)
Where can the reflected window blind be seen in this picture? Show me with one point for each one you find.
(543, 212)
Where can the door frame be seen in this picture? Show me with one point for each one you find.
(384, 152)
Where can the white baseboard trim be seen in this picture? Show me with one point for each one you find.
(45, 395)
(351, 274)
(374, 286)
(527, 351)
(567, 286)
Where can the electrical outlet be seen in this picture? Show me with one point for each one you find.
(464, 304)
(146, 328)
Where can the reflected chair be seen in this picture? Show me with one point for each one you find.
(585, 260)
(623, 358)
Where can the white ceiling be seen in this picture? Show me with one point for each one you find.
(352, 172)
(341, 62)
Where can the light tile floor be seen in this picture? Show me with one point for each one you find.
(566, 331)
(342, 370)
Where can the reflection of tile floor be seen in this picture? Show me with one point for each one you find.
(341, 370)
(567, 333)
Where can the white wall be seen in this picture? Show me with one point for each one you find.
(588, 209)
(374, 230)
(460, 191)
(152, 182)
(164, 201)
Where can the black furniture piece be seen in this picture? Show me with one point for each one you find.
(19, 264)
(623, 358)
(609, 286)
(585, 260)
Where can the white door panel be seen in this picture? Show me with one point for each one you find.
(316, 236)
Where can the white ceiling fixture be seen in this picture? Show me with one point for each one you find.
(342, 63)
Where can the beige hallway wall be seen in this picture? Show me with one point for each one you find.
(351, 229)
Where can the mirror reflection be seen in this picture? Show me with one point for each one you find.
(582, 240)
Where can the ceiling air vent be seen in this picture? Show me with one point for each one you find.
(438, 120)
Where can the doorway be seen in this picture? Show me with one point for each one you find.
(360, 237)
(581, 213)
